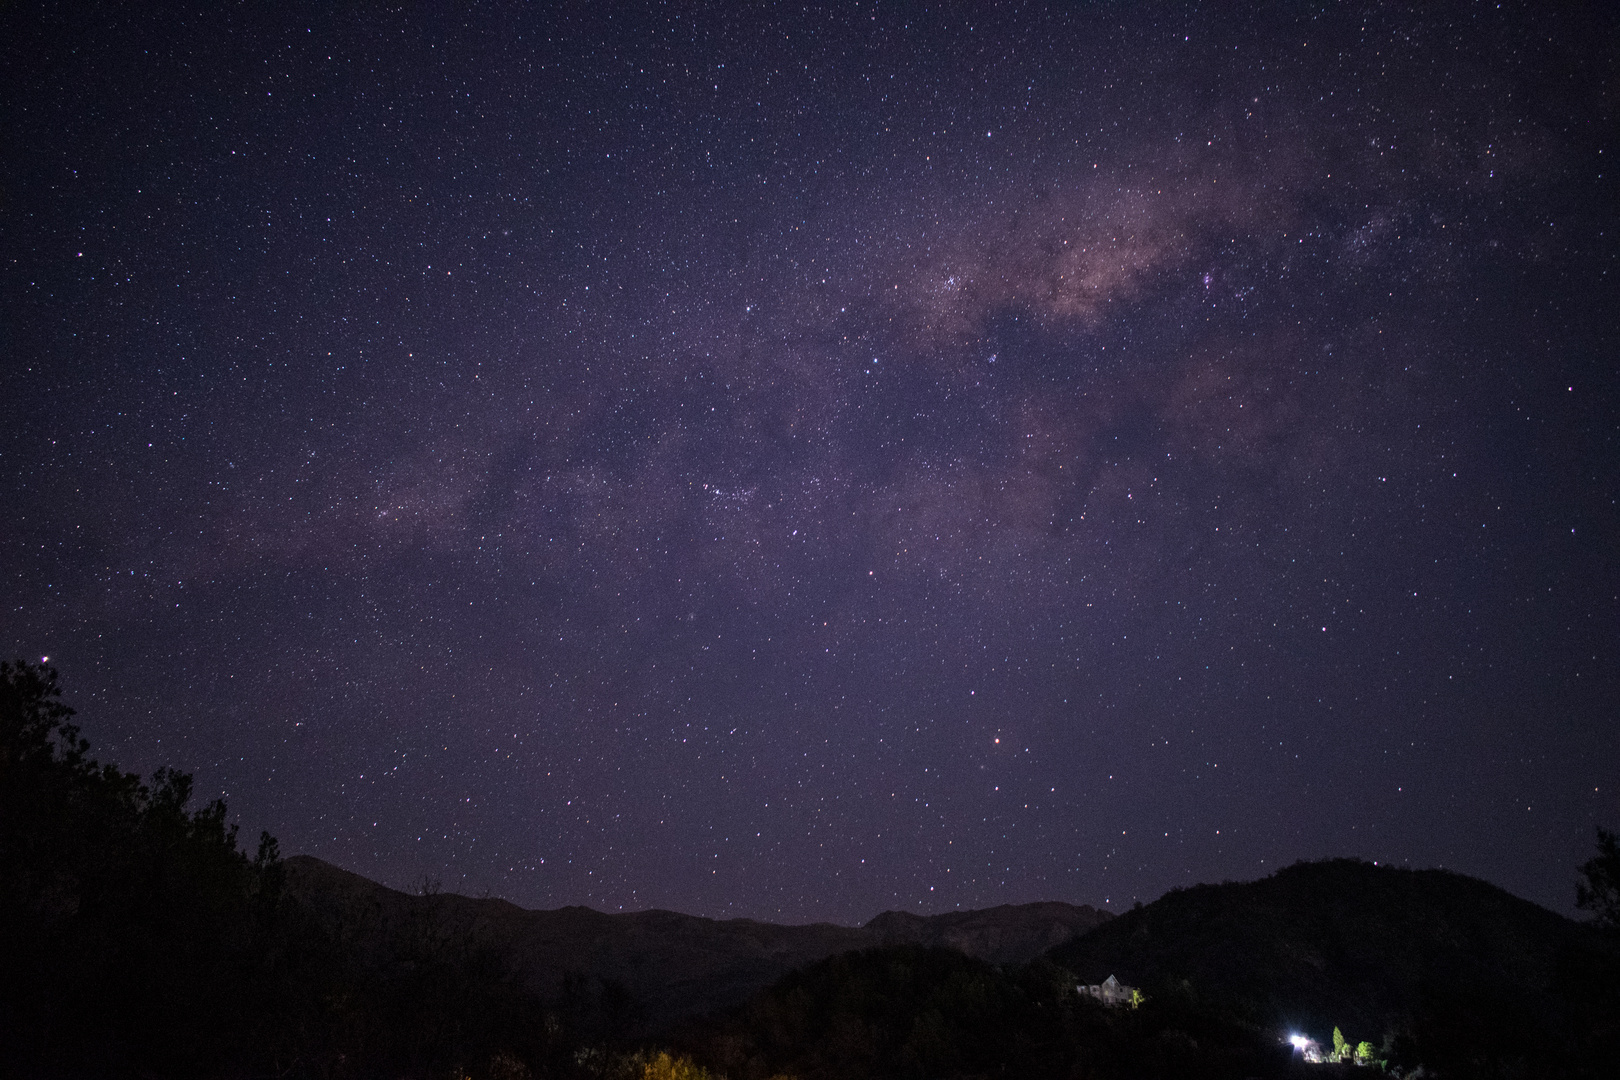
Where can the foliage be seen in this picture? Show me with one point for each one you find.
(1362, 1053)
(663, 1067)
(137, 939)
(1599, 892)
(907, 1011)
(130, 926)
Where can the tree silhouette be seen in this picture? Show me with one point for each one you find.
(1599, 893)
(136, 939)
(130, 925)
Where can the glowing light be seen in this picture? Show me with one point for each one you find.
(1299, 1041)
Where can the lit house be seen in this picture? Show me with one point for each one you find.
(1110, 991)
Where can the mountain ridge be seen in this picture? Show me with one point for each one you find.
(671, 963)
(1451, 963)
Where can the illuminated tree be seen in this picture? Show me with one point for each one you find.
(664, 1067)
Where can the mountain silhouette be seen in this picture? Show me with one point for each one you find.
(671, 964)
(1464, 972)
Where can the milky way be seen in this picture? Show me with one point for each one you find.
(797, 465)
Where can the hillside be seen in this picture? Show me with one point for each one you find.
(1463, 971)
(671, 964)
(1007, 934)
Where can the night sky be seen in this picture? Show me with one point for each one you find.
(798, 463)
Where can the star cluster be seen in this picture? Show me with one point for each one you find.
(800, 464)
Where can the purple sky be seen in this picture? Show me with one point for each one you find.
(796, 465)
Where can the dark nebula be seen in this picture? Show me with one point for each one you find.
(800, 463)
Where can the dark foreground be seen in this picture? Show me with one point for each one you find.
(137, 939)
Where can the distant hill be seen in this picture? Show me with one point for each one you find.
(1008, 934)
(671, 964)
(1429, 966)
(1462, 970)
